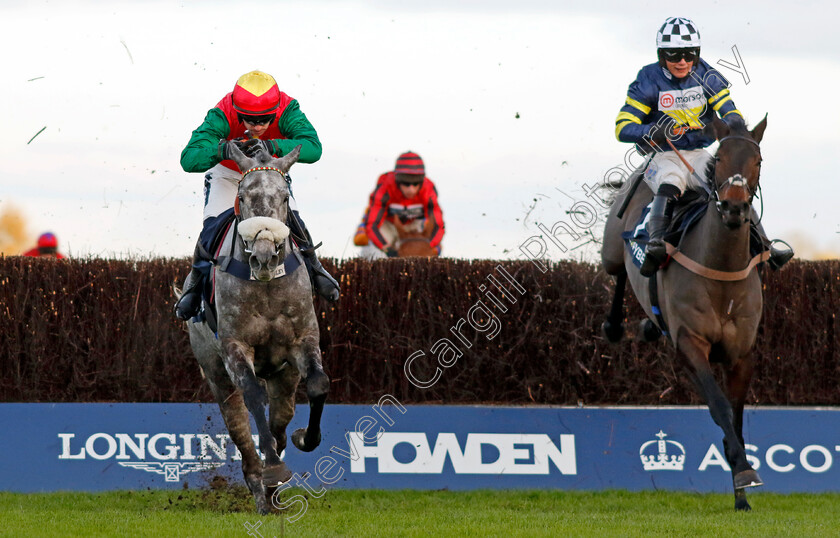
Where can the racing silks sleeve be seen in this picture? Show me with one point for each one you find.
(202, 151)
(376, 215)
(298, 131)
(633, 120)
(433, 211)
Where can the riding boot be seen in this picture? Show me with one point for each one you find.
(189, 304)
(760, 242)
(325, 285)
(658, 222)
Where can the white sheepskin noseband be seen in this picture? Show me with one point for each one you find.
(263, 228)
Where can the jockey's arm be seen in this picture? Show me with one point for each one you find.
(298, 131)
(719, 98)
(202, 151)
(376, 215)
(434, 212)
(633, 121)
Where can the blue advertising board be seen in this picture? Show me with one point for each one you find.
(90, 447)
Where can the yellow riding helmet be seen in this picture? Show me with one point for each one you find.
(256, 93)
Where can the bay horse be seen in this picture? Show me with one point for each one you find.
(414, 243)
(268, 337)
(708, 320)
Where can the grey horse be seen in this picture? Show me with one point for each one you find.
(712, 317)
(268, 336)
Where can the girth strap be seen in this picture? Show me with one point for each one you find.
(713, 274)
(653, 291)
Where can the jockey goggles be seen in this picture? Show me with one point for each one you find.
(411, 183)
(257, 120)
(675, 55)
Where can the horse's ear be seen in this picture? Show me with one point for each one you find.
(758, 130)
(721, 128)
(286, 161)
(242, 161)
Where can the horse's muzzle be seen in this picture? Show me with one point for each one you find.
(264, 260)
(733, 213)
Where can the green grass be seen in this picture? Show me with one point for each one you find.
(412, 513)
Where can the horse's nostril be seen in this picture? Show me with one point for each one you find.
(254, 263)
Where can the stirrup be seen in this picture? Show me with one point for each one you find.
(188, 305)
(779, 257)
(653, 260)
(326, 286)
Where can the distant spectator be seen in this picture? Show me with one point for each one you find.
(47, 247)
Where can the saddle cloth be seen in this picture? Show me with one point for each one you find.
(690, 208)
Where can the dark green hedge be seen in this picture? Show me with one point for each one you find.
(102, 330)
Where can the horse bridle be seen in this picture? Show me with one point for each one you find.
(736, 180)
(236, 210)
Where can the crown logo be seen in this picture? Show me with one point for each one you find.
(663, 459)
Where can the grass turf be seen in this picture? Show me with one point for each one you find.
(224, 512)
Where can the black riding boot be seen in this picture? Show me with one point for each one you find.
(658, 222)
(778, 255)
(325, 285)
(189, 304)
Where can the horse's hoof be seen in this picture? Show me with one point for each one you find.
(274, 475)
(612, 332)
(747, 479)
(648, 331)
(299, 440)
(742, 505)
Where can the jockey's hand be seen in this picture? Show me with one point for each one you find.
(678, 131)
(390, 251)
(657, 135)
(254, 145)
(224, 149)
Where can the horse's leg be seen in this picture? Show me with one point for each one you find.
(612, 326)
(236, 419)
(737, 382)
(281, 388)
(240, 366)
(695, 351)
(317, 387)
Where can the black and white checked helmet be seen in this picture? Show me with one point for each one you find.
(678, 33)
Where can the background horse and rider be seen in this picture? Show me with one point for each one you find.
(267, 338)
(709, 304)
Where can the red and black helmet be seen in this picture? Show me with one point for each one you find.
(256, 94)
(47, 240)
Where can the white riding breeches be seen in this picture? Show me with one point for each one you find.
(220, 187)
(666, 167)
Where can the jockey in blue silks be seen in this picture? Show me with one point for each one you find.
(680, 93)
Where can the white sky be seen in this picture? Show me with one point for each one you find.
(121, 85)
